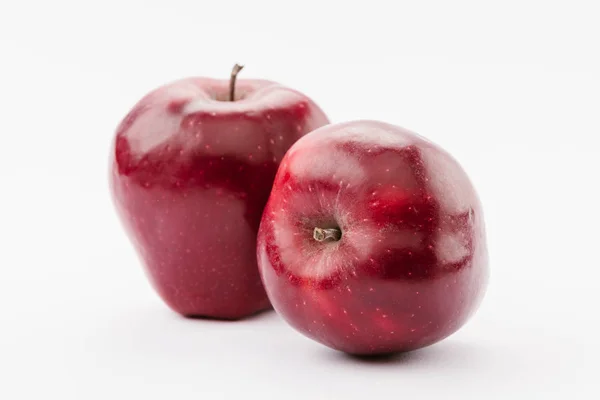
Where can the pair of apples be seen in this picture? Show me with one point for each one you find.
(367, 237)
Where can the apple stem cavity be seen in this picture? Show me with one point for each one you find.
(321, 235)
(234, 73)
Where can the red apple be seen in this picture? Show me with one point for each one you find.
(372, 240)
(191, 174)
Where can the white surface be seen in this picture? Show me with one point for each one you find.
(511, 89)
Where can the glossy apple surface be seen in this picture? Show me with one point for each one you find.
(409, 263)
(191, 174)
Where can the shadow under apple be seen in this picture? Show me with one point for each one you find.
(449, 353)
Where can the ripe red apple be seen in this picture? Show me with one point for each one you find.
(372, 240)
(191, 173)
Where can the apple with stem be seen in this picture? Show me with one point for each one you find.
(372, 240)
(192, 169)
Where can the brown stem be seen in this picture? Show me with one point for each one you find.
(234, 72)
(321, 235)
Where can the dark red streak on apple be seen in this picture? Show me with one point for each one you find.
(410, 265)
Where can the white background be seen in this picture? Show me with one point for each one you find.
(510, 88)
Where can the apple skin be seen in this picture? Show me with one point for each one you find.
(191, 174)
(411, 265)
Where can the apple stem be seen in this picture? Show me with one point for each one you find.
(234, 72)
(320, 235)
